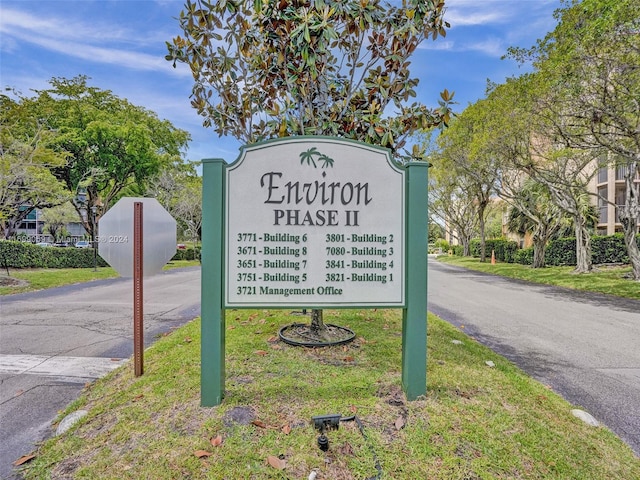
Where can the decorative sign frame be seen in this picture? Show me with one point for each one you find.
(314, 222)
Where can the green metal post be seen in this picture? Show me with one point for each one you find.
(414, 315)
(212, 371)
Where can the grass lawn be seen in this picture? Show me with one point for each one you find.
(612, 280)
(476, 421)
(32, 279)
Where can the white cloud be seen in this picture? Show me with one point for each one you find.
(437, 45)
(80, 41)
(15, 22)
(491, 46)
(460, 13)
(460, 18)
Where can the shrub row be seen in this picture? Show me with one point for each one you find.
(604, 249)
(27, 255)
(562, 251)
(190, 253)
(505, 250)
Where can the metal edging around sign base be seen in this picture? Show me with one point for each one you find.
(350, 335)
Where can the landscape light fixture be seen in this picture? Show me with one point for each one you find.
(322, 423)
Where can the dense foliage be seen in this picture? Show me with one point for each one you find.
(264, 69)
(27, 255)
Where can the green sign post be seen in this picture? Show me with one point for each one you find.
(313, 222)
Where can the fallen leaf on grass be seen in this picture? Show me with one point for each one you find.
(24, 459)
(275, 462)
(216, 441)
(348, 359)
(400, 423)
(353, 409)
(202, 453)
(187, 340)
(259, 423)
(272, 339)
(345, 449)
(262, 353)
(276, 347)
(138, 397)
(286, 429)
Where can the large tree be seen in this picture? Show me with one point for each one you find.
(522, 138)
(178, 188)
(591, 68)
(264, 69)
(57, 218)
(466, 149)
(450, 202)
(532, 211)
(110, 143)
(26, 181)
(269, 68)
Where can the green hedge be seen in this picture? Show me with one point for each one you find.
(524, 256)
(190, 253)
(505, 250)
(561, 251)
(604, 249)
(27, 255)
(610, 249)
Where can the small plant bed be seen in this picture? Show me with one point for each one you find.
(305, 335)
(6, 281)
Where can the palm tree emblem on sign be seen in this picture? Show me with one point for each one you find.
(312, 155)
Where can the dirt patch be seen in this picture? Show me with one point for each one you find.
(6, 281)
(305, 335)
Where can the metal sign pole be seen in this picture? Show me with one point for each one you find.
(138, 310)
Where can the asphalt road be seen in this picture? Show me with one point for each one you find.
(53, 342)
(585, 346)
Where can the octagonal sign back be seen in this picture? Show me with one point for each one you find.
(115, 240)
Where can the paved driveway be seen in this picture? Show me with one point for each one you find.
(585, 346)
(52, 342)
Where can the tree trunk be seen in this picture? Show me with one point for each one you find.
(629, 217)
(466, 246)
(583, 246)
(317, 323)
(632, 250)
(481, 223)
(539, 247)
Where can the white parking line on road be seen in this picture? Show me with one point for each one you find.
(81, 367)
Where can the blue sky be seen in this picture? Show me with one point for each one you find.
(120, 45)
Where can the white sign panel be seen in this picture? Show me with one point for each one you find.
(314, 223)
(115, 242)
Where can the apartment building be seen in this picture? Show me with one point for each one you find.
(610, 188)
